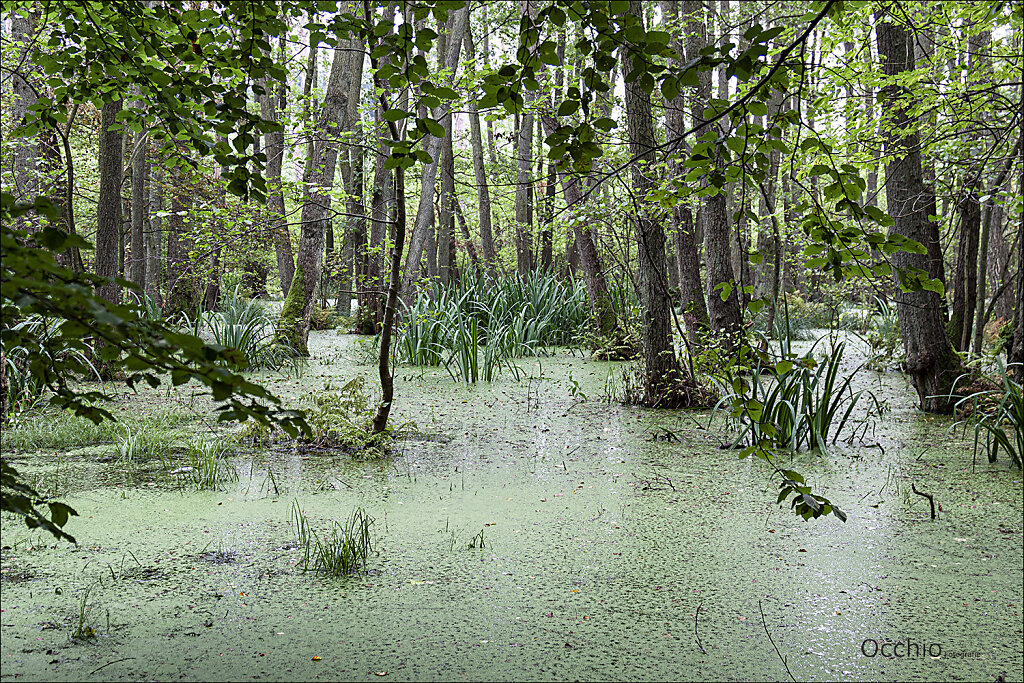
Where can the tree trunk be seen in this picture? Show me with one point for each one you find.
(108, 208)
(140, 206)
(425, 210)
(183, 286)
(662, 373)
(930, 360)
(273, 146)
(153, 256)
(590, 262)
(26, 152)
(691, 287)
(297, 311)
(965, 280)
(723, 312)
(490, 256)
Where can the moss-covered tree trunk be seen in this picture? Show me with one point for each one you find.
(297, 311)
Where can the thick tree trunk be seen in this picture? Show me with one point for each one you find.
(108, 207)
(930, 360)
(297, 311)
(662, 372)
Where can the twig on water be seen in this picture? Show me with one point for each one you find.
(123, 659)
(772, 641)
(696, 615)
(930, 497)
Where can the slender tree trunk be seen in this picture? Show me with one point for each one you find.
(154, 259)
(297, 311)
(965, 282)
(524, 180)
(273, 147)
(691, 286)
(930, 360)
(445, 212)
(182, 286)
(724, 312)
(425, 211)
(490, 256)
(108, 208)
(590, 261)
(140, 206)
(470, 247)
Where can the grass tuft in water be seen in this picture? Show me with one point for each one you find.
(343, 552)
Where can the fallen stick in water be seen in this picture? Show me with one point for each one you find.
(930, 497)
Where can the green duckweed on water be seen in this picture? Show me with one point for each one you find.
(607, 543)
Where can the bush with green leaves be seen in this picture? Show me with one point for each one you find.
(341, 418)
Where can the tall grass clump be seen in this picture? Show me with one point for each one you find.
(508, 318)
(25, 389)
(246, 326)
(342, 552)
(997, 414)
(796, 403)
(209, 466)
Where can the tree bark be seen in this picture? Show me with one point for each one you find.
(490, 256)
(26, 152)
(691, 286)
(723, 312)
(108, 207)
(930, 360)
(273, 146)
(154, 258)
(590, 261)
(425, 210)
(297, 311)
(662, 372)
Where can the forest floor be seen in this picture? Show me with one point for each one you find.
(618, 543)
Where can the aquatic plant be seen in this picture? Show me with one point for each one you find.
(208, 464)
(794, 403)
(341, 418)
(343, 552)
(508, 318)
(998, 414)
(25, 390)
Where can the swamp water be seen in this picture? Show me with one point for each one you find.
(602, 539)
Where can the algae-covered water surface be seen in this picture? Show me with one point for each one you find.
(522, 532)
